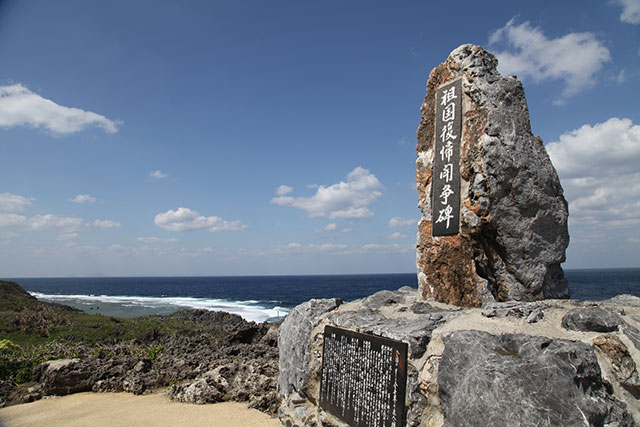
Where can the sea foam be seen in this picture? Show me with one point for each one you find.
(250, 310)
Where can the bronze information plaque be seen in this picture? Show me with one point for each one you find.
(364, 378)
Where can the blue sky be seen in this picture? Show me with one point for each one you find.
(242, 138)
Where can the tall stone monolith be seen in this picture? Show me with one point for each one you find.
(494, 218)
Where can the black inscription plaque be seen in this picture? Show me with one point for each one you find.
(445, 202)
(364, 378)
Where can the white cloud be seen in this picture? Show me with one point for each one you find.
(8, 235)
(329, 227)
(398, 236)
(42, 222)
(19, 107)
(54, 222)
(350, 199)
(574, 58)
(12, 220)
(156, 240)
(157, 175)
(84, 198)
(284, 189)
(630, 11)
(598, 167)
(398, 221)
(184, 219)
(14, 203)
(106, 223)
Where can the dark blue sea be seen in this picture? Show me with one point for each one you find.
(265, 298)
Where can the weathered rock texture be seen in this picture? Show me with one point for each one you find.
(513, 231)
(476, 366)
(216, 357)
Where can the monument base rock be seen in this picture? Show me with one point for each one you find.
(496, 365)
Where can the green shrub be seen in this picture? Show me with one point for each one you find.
(8, 348)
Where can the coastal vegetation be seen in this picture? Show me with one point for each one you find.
(103, 353)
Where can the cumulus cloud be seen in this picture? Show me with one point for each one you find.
(598, 168)
(349, 200)
(184, 219)
(630, 11)
(157, 175)
(153, 239)
(398, 221)
(20, 107)
(284, 189)
(574, 58)
(84, 198)
(329, 227)
(106, 223)
(14, 203)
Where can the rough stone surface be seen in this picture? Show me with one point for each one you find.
(64, 376)
(467, 369)
(633, 334)
(246, 354)
(623, 299)
(593, 319)
(531, 311)
(519, 380)
(513, 231)
(622, 363)
(415, 330)
(294, 343)
(211, 387)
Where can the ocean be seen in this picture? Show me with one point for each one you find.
(265, 298)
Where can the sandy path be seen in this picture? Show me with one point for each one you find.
(124, 409)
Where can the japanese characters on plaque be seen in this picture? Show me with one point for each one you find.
(364, 378)
(445, 202)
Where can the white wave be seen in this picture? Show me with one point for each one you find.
(250, 310)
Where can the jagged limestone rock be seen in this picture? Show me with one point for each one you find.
(513, 230)
(594, 319)
(464, 368)
(520, 380)
(293, 343)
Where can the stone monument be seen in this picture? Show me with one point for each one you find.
(494, 228)
(494, 218)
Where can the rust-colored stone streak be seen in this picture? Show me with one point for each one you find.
(513, 232)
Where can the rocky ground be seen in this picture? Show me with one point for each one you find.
(543, 363)
(201, 356)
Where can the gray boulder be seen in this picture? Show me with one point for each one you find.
(591, 319)
(519, 380)
(294, 337)
(64, 376)
(211, 387)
